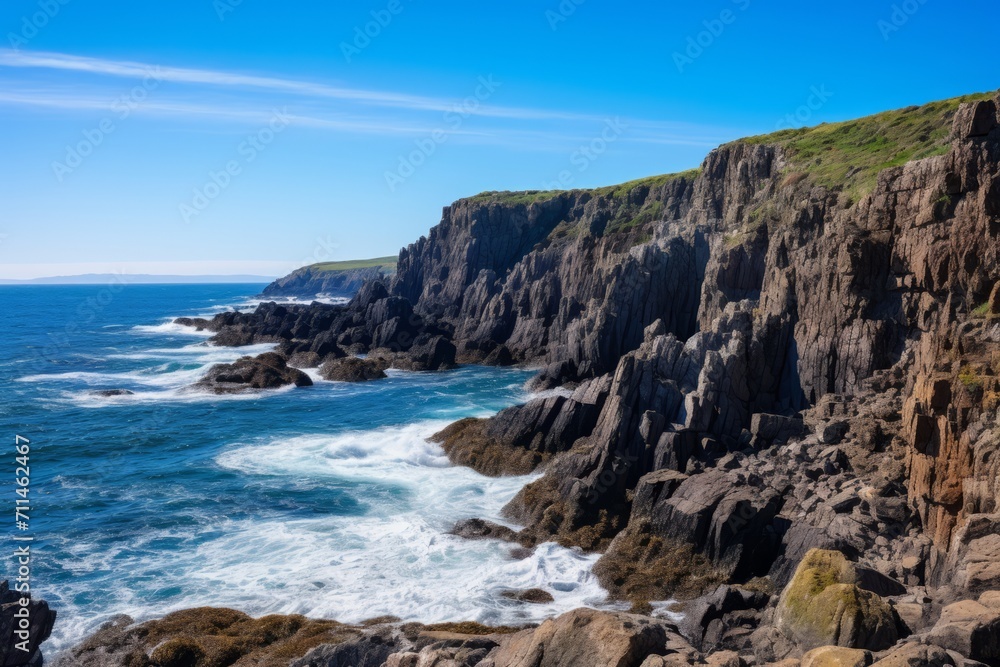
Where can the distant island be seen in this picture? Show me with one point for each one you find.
(137, 279)
(332, 278)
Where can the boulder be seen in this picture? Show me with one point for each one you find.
(532, 595)
(41, 620)
(971, 629)
(916, 655)
(836, 656)
(768, 430)
(479, 529)
(266, 371)
(725, 659)
(352, 369)
(371, 650)
(426, 353)
(586, 637)
(824, 606)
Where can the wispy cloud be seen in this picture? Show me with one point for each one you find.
(57, 100)
(136, 70)
(250, 98)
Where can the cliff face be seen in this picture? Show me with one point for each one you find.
(716, 300)
(561, 279)
(792, 350)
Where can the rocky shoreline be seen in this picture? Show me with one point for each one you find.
(777, 403)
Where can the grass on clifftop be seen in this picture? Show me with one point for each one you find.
(848, 156)
(388, 263)
(614, 191)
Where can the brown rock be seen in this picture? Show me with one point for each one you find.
(725, 659)
(531, 595)
(916, 655)
(836, 656)
(823, 606)
(970, 629)
(585, 637)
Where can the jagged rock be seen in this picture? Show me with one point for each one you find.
(768, 430)
(994, 301)
(369, 650)
(426, 353)
(353, 369)
(971, 629)
(501, 356)
(822, 605)
(305, 360)
(21, 645)
(198, 323)
(467, 442)
(265, 371)
(974, 560)
(585, 637)
(708, 618)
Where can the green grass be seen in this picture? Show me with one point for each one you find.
(970, 377)
(620, 191)
(848, 156)
(514, 198)
(355, 264)
(983, 310)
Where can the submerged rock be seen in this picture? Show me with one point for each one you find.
(111, 393)
(531, 595)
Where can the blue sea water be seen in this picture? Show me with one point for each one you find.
(326, 501)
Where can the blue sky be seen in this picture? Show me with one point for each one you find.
(251, 136)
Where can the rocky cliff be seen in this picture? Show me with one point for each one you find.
(337, 279)
(793, 348)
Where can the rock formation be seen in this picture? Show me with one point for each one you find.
(794, 347)
(24, 625)
(329, 279)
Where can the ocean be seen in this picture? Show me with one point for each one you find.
(326, 501)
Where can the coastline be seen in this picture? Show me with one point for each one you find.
(765, 383)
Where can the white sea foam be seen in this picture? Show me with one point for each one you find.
(170, 327)
(171, 379)
(397, 559)
(549, 393)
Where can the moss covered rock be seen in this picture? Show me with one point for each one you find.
(180, 652)
(823, 606)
